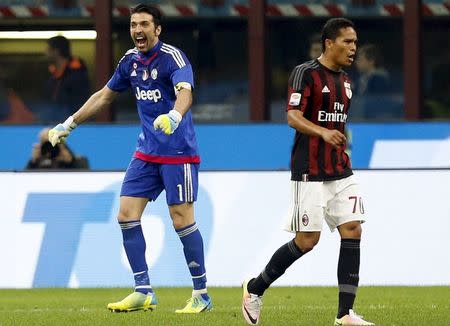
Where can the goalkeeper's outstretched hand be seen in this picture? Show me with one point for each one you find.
(59, 133)
(169, 122)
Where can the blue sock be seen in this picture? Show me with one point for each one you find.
(193, 252)
(134, 244)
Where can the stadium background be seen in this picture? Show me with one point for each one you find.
(401, 149)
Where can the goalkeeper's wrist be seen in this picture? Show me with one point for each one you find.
(69, 124)
(176, 115)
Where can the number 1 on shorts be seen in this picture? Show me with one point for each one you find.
(180, 191)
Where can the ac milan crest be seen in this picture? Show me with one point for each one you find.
(305, 219)
(348, 90)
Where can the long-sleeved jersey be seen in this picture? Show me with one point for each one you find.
(153, 77)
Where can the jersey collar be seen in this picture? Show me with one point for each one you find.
(328, 69)
(144, 56)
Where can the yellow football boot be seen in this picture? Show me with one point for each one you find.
(195, 305)
(134, 301)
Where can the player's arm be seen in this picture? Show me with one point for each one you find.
(182, 79)
(299, 93)
(97, 102)
(297, 121)
(183, 101)
(170, 121)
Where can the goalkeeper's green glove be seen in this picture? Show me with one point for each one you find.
(169, 122)
(61, 131)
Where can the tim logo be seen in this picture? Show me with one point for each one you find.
(337, 116)
(148, 95)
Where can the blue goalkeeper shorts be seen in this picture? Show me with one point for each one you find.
(148, 180)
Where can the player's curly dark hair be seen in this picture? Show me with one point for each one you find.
(149, 9)
(331, 28)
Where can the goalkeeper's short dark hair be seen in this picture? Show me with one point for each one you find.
(331, 29)
(149, 9)
(61, 44)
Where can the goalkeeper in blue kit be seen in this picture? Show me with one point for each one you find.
(166, 157)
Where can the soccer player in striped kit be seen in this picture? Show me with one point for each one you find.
(323, 185)
(166, 157)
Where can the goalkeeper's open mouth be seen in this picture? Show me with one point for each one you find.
(141, 42)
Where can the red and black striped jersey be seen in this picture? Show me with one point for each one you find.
(323, 95)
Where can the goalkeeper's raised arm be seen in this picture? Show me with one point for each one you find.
(169, 122)
(97, 102)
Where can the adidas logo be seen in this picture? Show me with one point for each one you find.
(133, 73)
(325, 89)
(193, 264)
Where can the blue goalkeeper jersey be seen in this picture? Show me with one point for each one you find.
(153, 76)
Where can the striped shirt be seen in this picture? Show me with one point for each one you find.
(324, 97)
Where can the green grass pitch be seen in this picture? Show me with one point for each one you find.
(386, 306)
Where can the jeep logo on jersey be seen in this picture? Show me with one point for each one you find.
(150, 95)
(337, 116)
